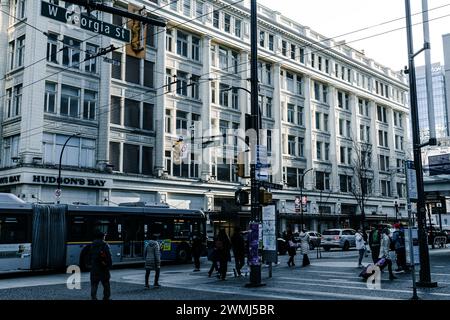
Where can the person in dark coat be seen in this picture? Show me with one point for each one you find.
(197, 247)
(101, 262)
(152, 256)
(223, 245)
(213, 256)
(292, 247)
(238, 245)
(374, 242)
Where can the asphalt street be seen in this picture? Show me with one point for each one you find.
(334, 276)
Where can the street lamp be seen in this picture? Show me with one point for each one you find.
(301, 196)
(58, 190)
(396, 211)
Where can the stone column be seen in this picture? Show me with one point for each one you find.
(160, 102)
(334, 129)
(374, 141)
(4, 21)
(205, 91)
(277, 141)
(308, 148)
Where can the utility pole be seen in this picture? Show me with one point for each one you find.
(255, 268)
(425, 273)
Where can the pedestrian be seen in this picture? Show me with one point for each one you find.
(374, 242)
(101, 262)
(223, 245)
(292, 247)
(197, 248)
(152, 256)
(384, 252)
(238, 245)
(360, 246)
(214, 257)
(304, 247)
(398, 238)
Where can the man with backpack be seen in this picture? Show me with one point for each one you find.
(101, 263)
(398, 239)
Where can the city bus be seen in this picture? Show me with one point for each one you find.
(37, 237)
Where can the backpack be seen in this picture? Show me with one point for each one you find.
(103, 257)
(391, 244)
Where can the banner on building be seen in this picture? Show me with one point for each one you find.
(136, 47)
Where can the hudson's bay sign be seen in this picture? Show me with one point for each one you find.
(84, 21)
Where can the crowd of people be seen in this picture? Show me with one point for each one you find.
(379, 240)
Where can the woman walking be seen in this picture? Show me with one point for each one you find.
(304, 247)
(360, 246)
(292, 248)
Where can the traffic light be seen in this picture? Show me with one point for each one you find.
(240, 172)
(265, 197)
(241, 197)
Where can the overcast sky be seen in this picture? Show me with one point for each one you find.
(332, 18)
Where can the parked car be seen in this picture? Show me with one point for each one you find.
(338, 238)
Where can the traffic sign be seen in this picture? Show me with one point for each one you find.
(269, 185)
(411, 180)
(58, 193)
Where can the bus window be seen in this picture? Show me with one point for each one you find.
(78, 229)
(107, 225)
(13, 229)
(160, 230)
(181, 229)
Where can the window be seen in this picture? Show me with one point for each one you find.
(401, 190)
(174, 5)
(147, 116)
(20, 51)
(19, 9)
(301, 147)
(271, 40)
(130, 158)
(216, 17)
(349, 129)
(363, 106)
(237, 27)
(223, 58)
(342, 155)
(302, 55)
(52, 47)
(327, 152)
(381, 114)
(300, 110)
(262, 38)
(169, 41)
(290, 82)
(182, 44)
(313, 60)
(318, 126)
(227, 22)
(150, 36)
(345, 183)
(291, 145)
(325, 122)
(50, 97)
(187, 7)
(299, 84)
(132, 72)
(269, 141)
(384, 163)
(223, 98)
(213, 55)
(182, 83)
(322, 180)
(116, 68)
(195, 48)
(90, 64)
(398, 142)
(14, 101)
(11, 52)
(290, 113)
(341, 127)
(235, 99)
(327, 66)
(213, 92)
(70, 101)
(10, 150)
(147, 160)
(319, 150)
(199, 9)
(343, 100)
(168, 80)
(148, 73)
(349, 156)
(319, 63)
(293, 48)
(132, 113)
(284, 48)
(115, 111)
(383, 138)
(181, 121)
(71, 52)
(89, 104)
(195, 87)
(79, 152)
(168, 119)
(385, 188)
(291, 177)
(268, 74)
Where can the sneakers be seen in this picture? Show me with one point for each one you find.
(147, 286)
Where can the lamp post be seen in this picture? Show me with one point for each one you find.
(301, 196)
(58, 190)
(425, 272)
(396, 211)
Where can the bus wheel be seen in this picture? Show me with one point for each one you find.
(183, 255)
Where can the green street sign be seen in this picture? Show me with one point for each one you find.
(84, 21)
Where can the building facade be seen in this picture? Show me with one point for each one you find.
(439, 99)
(131, 109)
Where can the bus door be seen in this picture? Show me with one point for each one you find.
(132, 230)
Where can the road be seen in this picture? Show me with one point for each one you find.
(334, 276)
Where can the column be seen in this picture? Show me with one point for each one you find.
(159, 107)
(392, 153)
(32, 111)
(334, 116)
(4, 21)
(374, 140)
(205, 91)
(277, 141)
(308, 107)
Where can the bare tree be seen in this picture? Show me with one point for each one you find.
(362, 180)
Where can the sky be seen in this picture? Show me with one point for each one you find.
(333, 18)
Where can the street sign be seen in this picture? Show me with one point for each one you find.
(58, 193)
(411, 179)
(84, 21)
(269, 185)
(112, 61)
(262, 172)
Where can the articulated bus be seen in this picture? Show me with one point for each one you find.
(37, 237)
